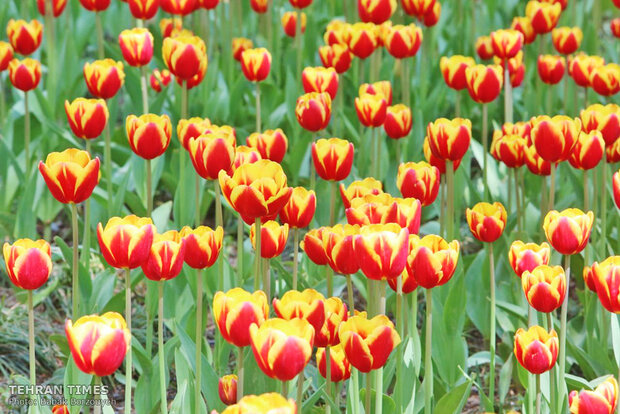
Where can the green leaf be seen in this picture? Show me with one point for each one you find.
(454, 400)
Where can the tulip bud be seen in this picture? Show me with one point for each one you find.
(506, 43)
(449, 139)
(312, 245)
(376, 12)
(605, 79)
(606, 277)
(367, 343)
(554, 138)
(95, 5)
(136, 46)
(544, 16)
(509, 149)
(70, 175)
(58, 6)
(603, 118)
(289, 23)
(313, 111)
(271, 144)
(612, 153)
(484, 47)
(143, 9)
(551, 68)
(487, 221)
(299, 210)
(239, 45)
(431, 260)
(282, 348)
(340, 368)
(568, 231)
(319, 79)
(614, 26)
(418, 180)
(234, 311)
(104, 77)
(403, 41)
(28, 262)
(536, 349)
(524, 25)
(484, 83)
(453, 70)
(567, 40)
(159, 79)
(381, 250)
(380, 88)
(363, 39)
(25, 74)
(336, 56)
(202, 245)
(149, 134)
(87, 117)
(227, 389)
(582, 66)
(544, 287)
(256, 64)
(523, 129)
(273, 238)
(603, 399)
(333, 158)
(338, 246)
(25, 37)
(371, 109)
(185, 56)
(125, 242)
(211, 153)
(527, 256)
(588, 150)
(178, 7)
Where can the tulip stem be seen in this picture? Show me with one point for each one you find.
(97, 395)
(257, 251)
(239, 252)
(99, 27)
(457, 104)
(442, 206)
(328, 377)
(2, 103)
(485, 145)
(199, 335)
(107, 165)
(266, 277)
(129, 361)
(538, 394)
(219, 222)
(521, 186)
(367, 399)
(428, 364)
(492, 334)
(298, 44)
(284, 388)
(354, 389)
(350, 295)
(518, 200)
(563, 327)
(149, 189)
(162, 357)
(379, 372)
(552, 371)
(586, 194)
(32, 357)
(145, 96)
(75, 293)
(332, 202)
(295, 256)
(27, 133)
(240, 373)
(300, 390)
(507, 94)
(399, 327)
(603, 248)
(450, 197)
(258, 120)
(552, 188)
(405, 82)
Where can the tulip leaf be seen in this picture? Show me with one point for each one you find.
(454, 400)
(73, 376)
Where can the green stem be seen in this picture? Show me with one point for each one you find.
(100, 40)
(97, 395)
(239, 373)
(518, 201)
(379, 372)
(457, 105)
(145, 95)
(485, 146)
(107, 165)
(258, 121)
(300, 390)
(257, 258)
(354, 388)
(603, 203)
(564, 314)
(442, 206)
(266, 278)
(375, 154)
(414, 313)
(184, 100)
(399, 328)
(2, 103)
(75, 283)
(350, 295)
(332, 202)
(295, 256)
(32, 356)
(537, 394)
(298, 44)
(450, 196)
(586, 194)
(492, 334)
(521, 186)
(507, 95)
(162, 356)
(405, 82)
(328, 377)
(219, 222)
(27, 133)
(149, 189)
(552, 371)
(368, 399)
(428, 365)
(199, 336)
(129, 359)
(239, 252)
(552, 188)
(285, 388)
(51, 55)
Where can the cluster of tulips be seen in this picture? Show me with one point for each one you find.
(380, 237)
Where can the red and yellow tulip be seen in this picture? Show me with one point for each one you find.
(25, 74)
(509, 149)
(263, 404)
(335, 314)
(202, 245)
(588, 150)
(57, 7)
(384, 209)
(398, 121)
(273, 238)
(256, 64)
(28, 262)
(227, 389)
(191, 128)
(166, 256)
(6, 55)
(566, 40)
(551, 68)
(536, 349)
(136, 46)
(104, 77)
(333, 158)
(160, 78)
(71, 175)
(555, 138)
(362, 39)
(371, 109)
(484, 82)
(336, 56)
(236, 310)
(403, 41)
(308, 305)
(381, 250)
(506, 43)
(25, 37)
(313, 111)
(544, 287)
(581, 66)
(272, 144)
(289, 23)
(603, 399)
(359, 189)
(544, 16)
(87, 117)
(419, 180)
(299, 210)
(239, 45)
(568, 231)
(606, 278)
(603, 118)
(453, 70)
(487, 221)
(95, 5)
(338, 246)
(320, 79)
(528, 256)
(148, 134)
(484, 47)
(143, 9)
(449, 139)
(431, 260)
(339, 363)
(126, 242)
(524, 25)
(312, 245)
(211, 153)
(185, 56)
(178, 7)
(605, 79)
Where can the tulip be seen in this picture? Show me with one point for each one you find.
(484, 47)
(544, 287)
(211, 153)
(544, 16)
(453, 70)
(60, 409)
(418, 180)
(484, 83)
(299, 210)
(367, 343)
(333, 158)
(535, 163)
(604, 118)
(184, 56)
(516, 69)
(616, 188)
(227, 389)
(432, 16)
(603, 399)
(125, 242)
(403, 41)
(312, 245)
(381, 250)
(282, 348)
(487, 221)
(431, 260)
(612, 153)
(202, 245)
(6, 55)
(136, 46)
(239, 45)
(98, 343)
(562, 3)
(191, 128)
(319, 79)
(159, 79)
(381, 88)
(178, 7)
(371, 109)
(300, 4)
(143, 9)
(606, 278)
(271, 144)
(207, 4)
(536, 349)
(148, 134)
(58, 6)
(359, 189)
(506, 43)
(568, 231)
(313, 111)
(234, 312)
(588, 278)
(581, 67)
(245, 155)
(171, 26)
(336, 56)
(551, 68)
(527, 256)
(28, 262)
(449, 139)
(555, 137)
(588, 150)
(256, 64)
(71, 175)
(363, 39)
(418, 8)
(95, 5)
(567, 40)
(104, 77)
(25, 74)
(259, 6)
(339, 363)
(524, 25)
(308, 305)
(263, 404)
(25, 37)
(383, 209)
(376, 12)
(614, 26)
(289, 23)
(273, 238)
(166, 256)
(398, 121)
(338, 247)
(87, 117)
(605, 79)
(509, 149)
